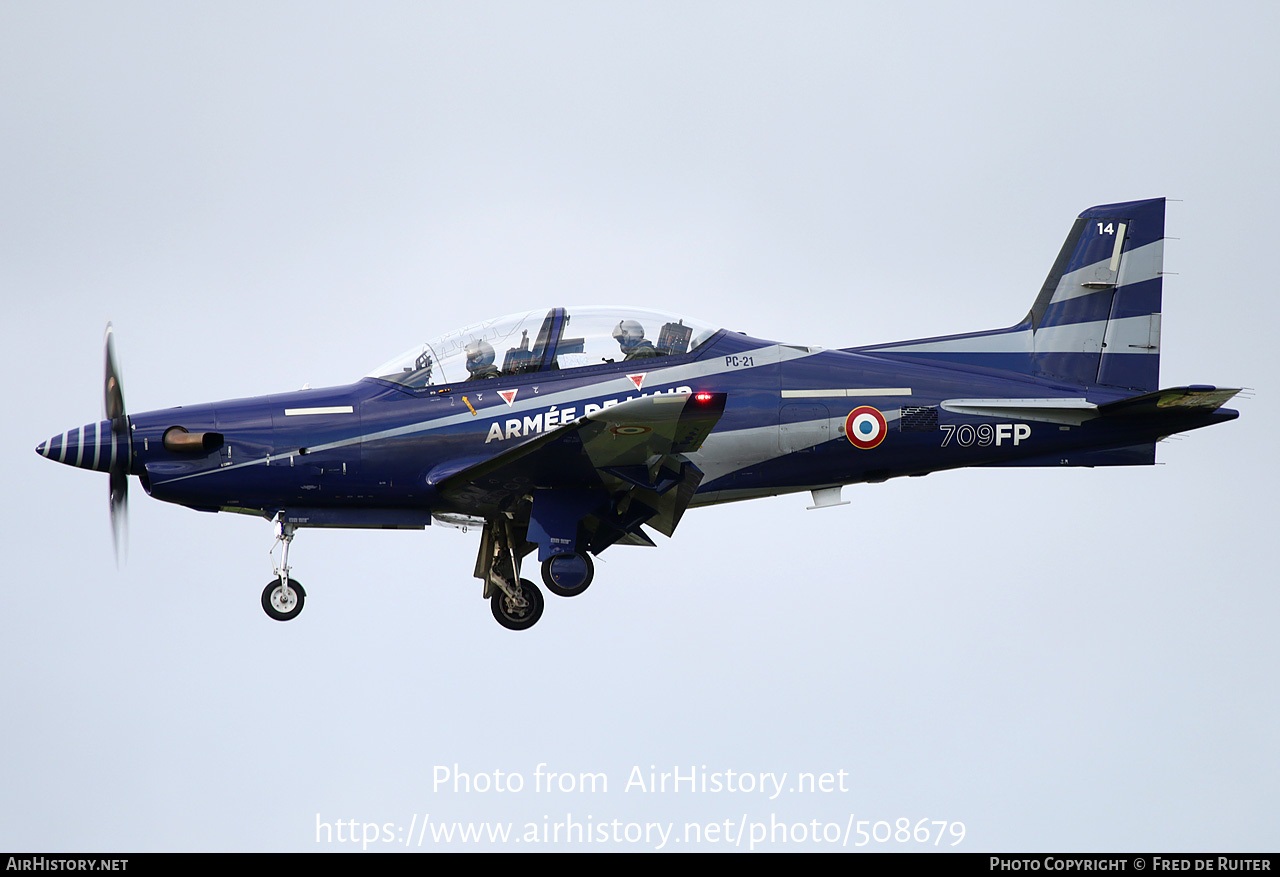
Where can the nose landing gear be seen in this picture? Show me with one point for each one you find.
(283, 598)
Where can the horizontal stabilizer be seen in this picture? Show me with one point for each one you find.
(1185, 400)
(1173, 403)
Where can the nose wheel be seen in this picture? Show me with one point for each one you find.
(283, 597)
(283, 600)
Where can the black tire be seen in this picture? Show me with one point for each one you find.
(281, 608)
(521, 618)
(549, 576)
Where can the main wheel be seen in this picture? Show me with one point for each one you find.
(515, 617)
(568, 575)
(283, 602)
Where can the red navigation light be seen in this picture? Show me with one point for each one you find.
(702, 397)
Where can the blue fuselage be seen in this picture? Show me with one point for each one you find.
(375, 447)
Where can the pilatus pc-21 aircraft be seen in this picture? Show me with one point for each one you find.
(567, 431)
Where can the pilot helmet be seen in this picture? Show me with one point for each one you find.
(628, 333)
(479, 355)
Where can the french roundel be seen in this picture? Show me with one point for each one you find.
(865, 427)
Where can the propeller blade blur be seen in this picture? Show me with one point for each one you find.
(113, 406)
(113, 392)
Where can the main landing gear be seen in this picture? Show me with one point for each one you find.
(518, 611)
(568, 575)
(283, 598)
(517, 603)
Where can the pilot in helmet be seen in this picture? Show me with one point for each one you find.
(630, 337)
(480, 361)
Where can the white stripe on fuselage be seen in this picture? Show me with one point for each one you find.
(850, 393)
(332, 409)
(621, 387)
(724, 453)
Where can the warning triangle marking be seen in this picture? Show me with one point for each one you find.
(509, 396)
(637, 379)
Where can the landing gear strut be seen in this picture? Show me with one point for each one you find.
(283, 598)
(516, 603)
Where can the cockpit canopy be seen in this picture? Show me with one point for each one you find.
(540, 341)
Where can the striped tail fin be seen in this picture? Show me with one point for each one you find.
(1096, 320)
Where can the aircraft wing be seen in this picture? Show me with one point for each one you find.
(611, 470)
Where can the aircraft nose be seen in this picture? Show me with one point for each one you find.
(93, 446)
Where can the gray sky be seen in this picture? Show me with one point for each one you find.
(262, 195)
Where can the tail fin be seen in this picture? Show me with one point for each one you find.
(1096, 320)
